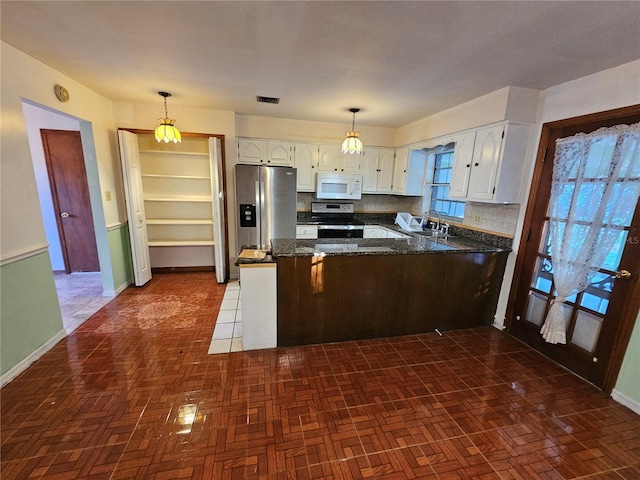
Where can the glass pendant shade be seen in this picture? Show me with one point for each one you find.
(166, 132)
(352, 144)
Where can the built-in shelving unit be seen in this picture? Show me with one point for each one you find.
(178, 201)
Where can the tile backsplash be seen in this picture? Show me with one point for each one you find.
(493, 218)
(370, 203)
(485, 216)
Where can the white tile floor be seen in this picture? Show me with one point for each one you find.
(80, 296)
(227, 334)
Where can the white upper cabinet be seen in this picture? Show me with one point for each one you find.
(306, 161)
(351, 162)
(493, 172)
(252, 151)
(462, 156)
(280, 153)
(331, 159)
(377, 170)
(408, 172)
(256, 151)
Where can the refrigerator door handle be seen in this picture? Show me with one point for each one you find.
(258, 237)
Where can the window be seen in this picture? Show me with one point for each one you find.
(440, 202)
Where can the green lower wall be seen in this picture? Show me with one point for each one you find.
(629, 378)
(120, 250)
(30, 312)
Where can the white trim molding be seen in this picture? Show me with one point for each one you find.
(625, 400)
(116, 226)
(117, 291)
(35, 355)
(22, 254)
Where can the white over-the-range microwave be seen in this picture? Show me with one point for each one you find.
(338, 186)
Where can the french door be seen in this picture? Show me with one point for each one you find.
(603, 315)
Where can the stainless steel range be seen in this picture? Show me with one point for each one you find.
(336, 220)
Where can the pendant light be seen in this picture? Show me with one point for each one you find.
(166, 132)
(352, 144)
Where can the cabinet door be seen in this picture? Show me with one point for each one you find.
(400, 171)
(370, 170)
(330, 158)
(351, 163)
(252, 151)
(385, 170)
(306, 231)
(462, 161)
(280, 153)
(486, 162)
(306, 161)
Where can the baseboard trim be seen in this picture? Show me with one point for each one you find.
(205, 268)
(117, 291)
(626, 401)
(35, 355)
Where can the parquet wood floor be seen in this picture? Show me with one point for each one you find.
(132, 394)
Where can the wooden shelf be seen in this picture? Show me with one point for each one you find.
(207, 199)
(173, 154)
(180, 177)
(178, 243)
(179, 221)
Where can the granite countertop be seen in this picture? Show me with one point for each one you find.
(252, 259)
(414, 245)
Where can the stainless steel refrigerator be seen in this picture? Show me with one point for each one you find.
(265, 204)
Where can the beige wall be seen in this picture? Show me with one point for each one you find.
(509, 103)
(306, 131)
(24, 77)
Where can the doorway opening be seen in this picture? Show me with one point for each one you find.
(80, 295)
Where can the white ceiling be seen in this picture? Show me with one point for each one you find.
(398, 61)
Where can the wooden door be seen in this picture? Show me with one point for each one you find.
(603, 316)
(70, 191)
(219, 211)
(129, 155)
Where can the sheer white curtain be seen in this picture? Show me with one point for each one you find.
(595, 188)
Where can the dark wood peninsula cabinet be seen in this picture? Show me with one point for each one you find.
(336, 298)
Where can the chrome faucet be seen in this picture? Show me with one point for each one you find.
(443, 226)
(425, 218)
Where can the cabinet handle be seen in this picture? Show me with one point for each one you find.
(65, 215)
(476, 164)
(468, 165)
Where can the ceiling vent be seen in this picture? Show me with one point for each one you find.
(273, 100)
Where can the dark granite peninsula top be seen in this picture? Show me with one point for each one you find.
(414, 245)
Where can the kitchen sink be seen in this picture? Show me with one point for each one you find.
(433, 234)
